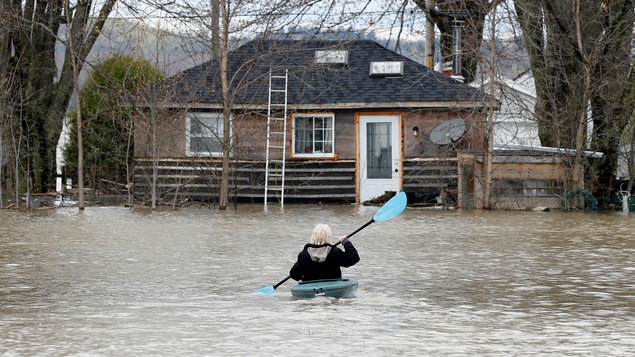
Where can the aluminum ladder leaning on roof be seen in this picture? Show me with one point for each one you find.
(276, 135)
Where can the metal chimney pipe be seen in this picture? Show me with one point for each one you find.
(456, 65)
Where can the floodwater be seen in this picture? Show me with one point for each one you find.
(120, 282)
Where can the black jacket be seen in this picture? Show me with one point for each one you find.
(306, 268)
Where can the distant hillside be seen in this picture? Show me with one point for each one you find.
(170, 53)
(512, 59)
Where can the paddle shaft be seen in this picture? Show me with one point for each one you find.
(281, 282)
(358, 229)
(348, 236)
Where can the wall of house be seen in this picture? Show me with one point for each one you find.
(429, 168)
(345, 136)
(250, 133)
(183, 182)
(421, 146)
(515, 169)
(528, 171)
(169, 131)
(251, 136)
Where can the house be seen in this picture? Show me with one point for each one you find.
(359, 121)
(515, 124)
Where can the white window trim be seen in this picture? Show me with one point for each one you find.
(188, 135)
(314, 155)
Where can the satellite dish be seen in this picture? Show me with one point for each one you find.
(448, 132)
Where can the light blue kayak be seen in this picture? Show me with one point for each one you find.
(339, 288)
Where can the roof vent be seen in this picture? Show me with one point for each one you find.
(331, 56)
(386, 68)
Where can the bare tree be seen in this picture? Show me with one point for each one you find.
(579, 52)
(42, 90)
(470, 16)
(627, 141)
(489, 132)
(75, 80)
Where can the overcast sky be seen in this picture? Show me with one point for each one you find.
(388, 17)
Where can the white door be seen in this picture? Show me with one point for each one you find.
(379, 155)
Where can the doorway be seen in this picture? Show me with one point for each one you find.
(379, 155)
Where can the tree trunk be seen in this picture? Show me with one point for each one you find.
(576, 66)
(489, 154)
(42, 96)
(223, 194)
(472, 15)
(611, 103)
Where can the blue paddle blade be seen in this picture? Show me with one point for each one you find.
(268, 290)
(392, 208)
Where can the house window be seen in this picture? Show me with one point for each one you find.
(542, 188)
(204, 134)
(313, 135)
(379, 150)
(331, 56)
(527, 188)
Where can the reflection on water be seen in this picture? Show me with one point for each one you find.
(112, 281)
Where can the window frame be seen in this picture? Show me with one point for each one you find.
(527, 188)
(215, 133)
(313, 154)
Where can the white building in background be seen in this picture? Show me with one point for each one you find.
(62, 142)
(515, 125)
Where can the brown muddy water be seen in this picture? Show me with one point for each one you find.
(122, 282)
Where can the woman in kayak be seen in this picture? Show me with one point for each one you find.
(321, 260)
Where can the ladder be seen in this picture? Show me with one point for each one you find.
(276, 135)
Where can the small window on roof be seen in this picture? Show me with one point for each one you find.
(386, 68)
(331, 56)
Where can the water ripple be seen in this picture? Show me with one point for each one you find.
(114, 281)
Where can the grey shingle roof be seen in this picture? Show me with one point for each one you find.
(318, 84)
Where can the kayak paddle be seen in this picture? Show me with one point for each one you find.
(390, 209)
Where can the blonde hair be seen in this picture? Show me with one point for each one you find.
(321, 234)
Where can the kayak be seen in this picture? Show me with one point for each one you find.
(339, 288)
